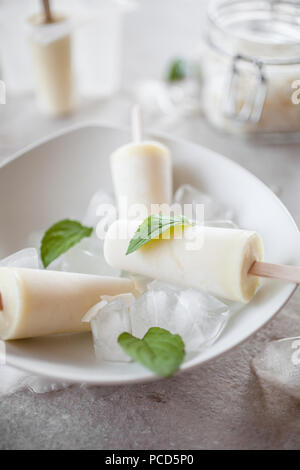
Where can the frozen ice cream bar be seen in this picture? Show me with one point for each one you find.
(214, 259)
(40, 302)
(52, 66)
(142, 174)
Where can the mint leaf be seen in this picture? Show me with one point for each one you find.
(60, 238)
(153, 227)
(159, 350)
(177, 70)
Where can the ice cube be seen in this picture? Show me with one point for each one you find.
(101, 206)
(187, 194)
(140, 282)
(26, 258)
(162, 285)
(86, 257)
(198, 317)
(207, 318)
(279, 364)
(108, 323)
(153, 308)
(35, 238)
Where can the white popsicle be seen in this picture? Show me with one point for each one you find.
(53, 69)
(141, 173)
(214, 259)
(41, 302)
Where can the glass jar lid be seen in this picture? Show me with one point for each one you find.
(266, 30)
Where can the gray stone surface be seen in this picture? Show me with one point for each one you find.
(221, 405)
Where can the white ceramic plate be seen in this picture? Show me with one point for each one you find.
(55, 178)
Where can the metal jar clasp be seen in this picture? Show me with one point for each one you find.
(249, 109)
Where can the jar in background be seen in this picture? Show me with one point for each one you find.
(251, 65)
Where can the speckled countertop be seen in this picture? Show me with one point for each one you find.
(221, 405)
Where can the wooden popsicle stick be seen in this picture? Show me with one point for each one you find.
(276, 271)
(47, 11)
(136, 124)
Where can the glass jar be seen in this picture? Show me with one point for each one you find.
(251, 66)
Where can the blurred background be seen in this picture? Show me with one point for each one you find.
(222, 73)
(117, 49)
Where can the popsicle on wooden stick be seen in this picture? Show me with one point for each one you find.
(276, 271)
(141, 172)
(225, 262)
(52, 61)
(40, 302)
(214, 259)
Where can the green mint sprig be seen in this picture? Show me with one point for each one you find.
(152, 227)
(60, 237)
(159, 350)
(177, 70)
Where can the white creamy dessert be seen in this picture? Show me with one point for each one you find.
(40, 302)
(142, 175)
(52, 62)
(214, 259)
